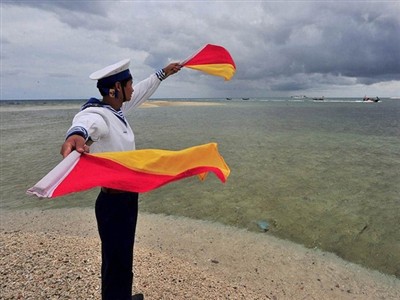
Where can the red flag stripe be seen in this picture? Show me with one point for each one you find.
(211, 54)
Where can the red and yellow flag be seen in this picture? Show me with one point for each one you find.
(135, 171)
(213, 60)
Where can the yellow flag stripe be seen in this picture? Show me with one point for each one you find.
(166, 162)
(224, 70)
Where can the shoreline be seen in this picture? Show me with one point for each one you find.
(76, 106)
(57, 252)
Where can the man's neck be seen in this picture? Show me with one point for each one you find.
(113, 102)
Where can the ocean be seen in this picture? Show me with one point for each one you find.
(325, 174)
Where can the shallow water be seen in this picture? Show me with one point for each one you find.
(323, 174)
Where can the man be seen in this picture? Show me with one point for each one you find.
(102, 125)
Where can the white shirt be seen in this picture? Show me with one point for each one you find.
(108, 128)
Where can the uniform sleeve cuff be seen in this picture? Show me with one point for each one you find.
(78, 130)
(161, 75)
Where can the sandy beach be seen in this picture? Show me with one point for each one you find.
(55, 254)
(160, 103)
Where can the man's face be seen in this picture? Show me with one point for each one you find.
(129, 90)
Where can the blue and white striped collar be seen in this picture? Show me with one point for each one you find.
(93, 102)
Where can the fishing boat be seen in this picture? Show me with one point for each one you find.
(371, 99)
(318, 98)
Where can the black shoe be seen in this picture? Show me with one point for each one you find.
(138, 297)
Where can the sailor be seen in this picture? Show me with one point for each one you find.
(102, 126)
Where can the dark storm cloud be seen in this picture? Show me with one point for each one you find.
(332, 39)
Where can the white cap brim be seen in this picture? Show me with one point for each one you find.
(111, 70)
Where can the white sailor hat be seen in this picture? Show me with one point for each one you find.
(113, 73)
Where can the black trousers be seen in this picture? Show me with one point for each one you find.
(116, 216)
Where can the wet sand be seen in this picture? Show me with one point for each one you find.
(55, 254)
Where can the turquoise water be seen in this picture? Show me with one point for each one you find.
(324, 174)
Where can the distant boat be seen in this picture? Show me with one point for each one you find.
(245, 98)
(318, 98)
(228, 98)
(371, 99)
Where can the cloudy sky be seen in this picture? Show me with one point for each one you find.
(281, 48)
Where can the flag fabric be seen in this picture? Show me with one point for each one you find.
(135, 171)
(213, 60)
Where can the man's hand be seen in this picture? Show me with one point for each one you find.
(74, 142)
(172, 68)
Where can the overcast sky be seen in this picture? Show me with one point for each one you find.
(281, 48)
